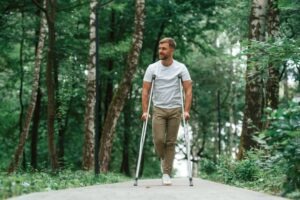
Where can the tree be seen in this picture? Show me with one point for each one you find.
(119, 98)
(252, 122)
(35, 86)
(88, 149)
(272, 87)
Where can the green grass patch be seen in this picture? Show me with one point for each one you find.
(24, 183)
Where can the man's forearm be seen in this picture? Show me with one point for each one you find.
(145, 99)
(187, 85)
(188, 101)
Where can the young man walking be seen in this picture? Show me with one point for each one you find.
(167, 103)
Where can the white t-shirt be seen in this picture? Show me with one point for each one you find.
(166, 90)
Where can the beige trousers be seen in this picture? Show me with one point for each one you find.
(165, 125)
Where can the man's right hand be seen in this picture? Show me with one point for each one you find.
(145, 116)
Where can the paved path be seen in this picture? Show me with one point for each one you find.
(153, 190)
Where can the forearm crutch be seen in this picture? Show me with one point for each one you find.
(186, 133)
(144, 130)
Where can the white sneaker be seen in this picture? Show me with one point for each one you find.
(166, 180)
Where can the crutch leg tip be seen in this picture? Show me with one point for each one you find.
(191, 182)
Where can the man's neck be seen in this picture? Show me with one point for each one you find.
(168, 62)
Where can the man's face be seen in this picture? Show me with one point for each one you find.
(165, 51)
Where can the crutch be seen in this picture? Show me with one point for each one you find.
(186, 134)
(144, 133)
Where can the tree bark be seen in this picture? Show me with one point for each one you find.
(253, 93)
(272, 92)
(88, 149)
(127, 126)
(120, 97)
(109, 87)
(22, 83)
(51, 13)
(35, 85)
(34, 131)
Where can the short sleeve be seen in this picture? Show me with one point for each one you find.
(148, 74)
(185, 74)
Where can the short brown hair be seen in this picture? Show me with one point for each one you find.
(168, 40)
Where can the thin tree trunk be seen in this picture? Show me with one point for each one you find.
(120, 97)
(253, 93)
(273, 78)
(60, 120)
(109, 87)
(22, 83)
(127, 127)
(160, 33)
(35, 85)
(88, 149)
(34, 131)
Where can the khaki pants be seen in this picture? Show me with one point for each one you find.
(165, 125)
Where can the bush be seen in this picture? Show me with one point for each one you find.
(282, 141)
(207, 166)
(246, 170)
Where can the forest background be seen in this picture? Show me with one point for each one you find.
(243, 57)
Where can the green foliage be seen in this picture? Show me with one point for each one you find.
(23, 183)
(246, 170)
(276, 167)
(282, 140)
(207, 166)
(254, 172)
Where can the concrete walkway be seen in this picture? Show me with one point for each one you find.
(153, 190)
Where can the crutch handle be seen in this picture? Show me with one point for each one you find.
(153, 77)
(179, 76)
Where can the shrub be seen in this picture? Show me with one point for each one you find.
(282, 140)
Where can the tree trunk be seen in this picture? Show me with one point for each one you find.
(51, 13)
(34, 131)
(109, 87)
(119, 98)
(88, 149)
(35, 85)
(127, 126)
(60, 116)
(160, 33)
(253, 94)
(273, 78)
(22, 83)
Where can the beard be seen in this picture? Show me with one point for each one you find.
(163, 57)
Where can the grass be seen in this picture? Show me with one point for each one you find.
(24, 183)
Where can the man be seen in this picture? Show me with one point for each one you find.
(167, 103)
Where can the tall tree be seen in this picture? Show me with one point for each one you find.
(88, 149)
(51, 15)
(35, 85)
(119, 98)
(272, 90)
(22, 80)
(50, 12)
(252, 121)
